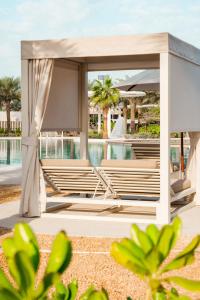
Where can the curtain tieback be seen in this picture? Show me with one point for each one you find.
(30, 141)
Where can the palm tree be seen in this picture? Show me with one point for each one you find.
(104, 96)
(151, 97)
(10, 93)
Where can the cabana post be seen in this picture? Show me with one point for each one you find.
(63, 105)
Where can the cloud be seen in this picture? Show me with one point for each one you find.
(48, 19)
(36, 19)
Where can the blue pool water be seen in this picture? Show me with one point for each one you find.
(10, 151)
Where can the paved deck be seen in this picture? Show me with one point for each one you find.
(10, 175)
(9, 216)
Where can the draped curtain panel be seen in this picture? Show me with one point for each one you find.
(33, 199)
(193, 164)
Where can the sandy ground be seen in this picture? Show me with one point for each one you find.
(9, 193)
(91, 263)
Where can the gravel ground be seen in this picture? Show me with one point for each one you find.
(9, 193)
(91, 263)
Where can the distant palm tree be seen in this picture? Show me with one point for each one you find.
(104, 96)
(10, 92)
(151, 97)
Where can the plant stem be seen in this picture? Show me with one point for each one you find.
(148, 295)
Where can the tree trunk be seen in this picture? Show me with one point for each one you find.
(139, 115)
(133, 107)
(125, 117)
(105, 124)
(8, 116)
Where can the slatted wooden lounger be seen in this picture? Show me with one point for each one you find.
(139, 179)
(149, 151)
(146, 151)
(72, 176)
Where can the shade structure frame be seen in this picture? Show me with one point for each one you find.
(163, 49)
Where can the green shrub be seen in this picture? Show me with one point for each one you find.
(4, 132)
(145, 254)
(93, 134)
(18, 132)
(23, 258)
(151, 129)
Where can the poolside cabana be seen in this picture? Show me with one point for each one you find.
(55, 97)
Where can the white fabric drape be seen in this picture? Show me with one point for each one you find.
(193, 164)
(33, 200)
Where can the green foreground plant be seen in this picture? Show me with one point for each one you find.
(145, 254)
(23, 258)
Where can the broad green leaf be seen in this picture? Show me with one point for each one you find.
(178, 297)
(159, 296)
(87, 293)
(25, 240)
(188, 284)
(145, 242)
(61, 293)
(153, 260)
(165, 241)
(26, 272)
(61, 253)
(61, 289)
(174, 295)
(133, 248)
(135, 234)
(153, 233)
(191, 247)
(4, 282)
(98, 295)
(176, 225)
(92, 294)
(9, 247)
(73, 289)
(185, 257)
(6, 286)
(43, 287)
(124, 257)
(141, 239)
(179, 262)
(6, 294)
(182, 297)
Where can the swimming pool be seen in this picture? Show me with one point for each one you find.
(10, 151)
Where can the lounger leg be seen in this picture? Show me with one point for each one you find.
(96, 189)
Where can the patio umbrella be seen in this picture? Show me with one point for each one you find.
(144, 81)
(124, 94)
(148, 80)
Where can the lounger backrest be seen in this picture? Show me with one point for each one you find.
(134, 177)
(73, 176)
(146, 151)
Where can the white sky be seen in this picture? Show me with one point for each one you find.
(48, 19)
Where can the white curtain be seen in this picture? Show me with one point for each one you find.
(33, 200)
(193, 164)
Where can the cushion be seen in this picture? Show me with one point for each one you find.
(134, 163)
(181, 185)
(65, 163)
